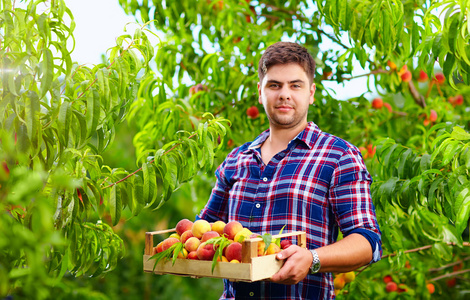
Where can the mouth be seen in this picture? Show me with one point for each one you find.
(284, 108)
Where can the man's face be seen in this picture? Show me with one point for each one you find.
(286, 94)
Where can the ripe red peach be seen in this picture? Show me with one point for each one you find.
(209, 235)
(391, 287)
(252, 112)
(377, 103)
(186, 235)
(388, 106)
(232, 228)
(200, 227)
(192, 255)
(234, 251)
(423, 77)
(285, 244)
(406, 76)
(440, 78)
(433, 116)
(167, 243)
(205, 251)
(192, 244)
(183, 225)
(158, 248)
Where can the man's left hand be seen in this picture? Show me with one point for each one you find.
(296, 266)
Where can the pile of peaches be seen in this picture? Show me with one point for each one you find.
(218, 241)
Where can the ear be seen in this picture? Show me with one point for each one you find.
(259, 94)
(312, 93)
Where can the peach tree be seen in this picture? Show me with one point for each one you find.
(192, 97)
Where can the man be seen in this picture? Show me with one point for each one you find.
(297, 176)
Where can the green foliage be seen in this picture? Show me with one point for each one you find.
(69, 205)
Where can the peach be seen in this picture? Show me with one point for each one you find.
(261, 244)
(349, 276)
(186, 235)
(252, 112)
(286, 244)
(192, 244)
(242, 234)
(377, 103)
(431, 288)
(338, 282)
(200, 227)
(175, 235)
(423, 77)
(209, 235)
(273, 249)
(433, 115)
(183, 225)
(440, 78)
(406, 76)
(261, 248)
(392, 65)
(205, 251)
(167, 243)
(159, 246)
(387, 278)
(218, 227)
(235, 261)
(183, 253)
(391, 287)
(388, 106)
(192, 255)
(223, 259)
(232, 228)
(234, 251)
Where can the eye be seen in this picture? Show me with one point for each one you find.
(273, 85)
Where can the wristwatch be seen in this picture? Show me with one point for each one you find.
(315, 267)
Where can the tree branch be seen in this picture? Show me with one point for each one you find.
(419, 99)
(139, 169)
(465, 244)
(453, 274)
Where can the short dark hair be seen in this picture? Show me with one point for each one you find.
(285, 53)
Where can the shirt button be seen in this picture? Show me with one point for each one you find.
(265, 179)
(258, 205)
(252, 294)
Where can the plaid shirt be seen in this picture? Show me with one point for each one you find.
(318, 184)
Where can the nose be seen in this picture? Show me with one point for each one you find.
(284, 93)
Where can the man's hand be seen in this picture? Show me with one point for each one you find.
(296, 266)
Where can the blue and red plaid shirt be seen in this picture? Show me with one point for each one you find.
(318, 184)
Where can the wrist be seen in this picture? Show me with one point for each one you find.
(316, 265)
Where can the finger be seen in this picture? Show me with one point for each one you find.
(286, 253)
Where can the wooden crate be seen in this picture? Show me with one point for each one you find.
(252, 268)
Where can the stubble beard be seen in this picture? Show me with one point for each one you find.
(285, 122)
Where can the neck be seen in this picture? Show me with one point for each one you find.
(280, 137)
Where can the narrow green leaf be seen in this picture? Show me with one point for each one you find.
(33, 125)
(115, 205)
(462, 210)
(81, 134)
(47, 69)
(64, 122)
(93, 112)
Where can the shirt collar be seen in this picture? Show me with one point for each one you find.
(308, 137)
